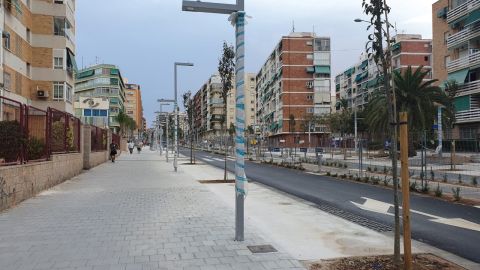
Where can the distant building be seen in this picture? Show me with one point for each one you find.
(293, 87)
(456, 50)
(101, 81)
(210, 108)
(133, 105)
(38, 52)
(357, 83)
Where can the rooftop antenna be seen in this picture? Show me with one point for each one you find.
(293, 26)
(314, 30)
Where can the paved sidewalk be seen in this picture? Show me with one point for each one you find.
(134, 214)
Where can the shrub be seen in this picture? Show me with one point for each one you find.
(474, 181)
(369, 169)
(414, 186)
(375, 180)
(456, 194)
(344, 176)
(385, 170)
(366, 179)
(35, 149)
(386, 181)
(375, 169)
(445, 178)
(329, 174)
(350, 176)
(425, 188)
(11, 140)
(335, 175)
(438, 191)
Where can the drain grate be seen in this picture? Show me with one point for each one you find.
(364, 222)
(262, 249)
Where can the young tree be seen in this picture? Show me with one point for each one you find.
(378, 10)
(226, 69)
(188, 104)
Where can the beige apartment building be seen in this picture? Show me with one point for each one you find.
(210, 108)
(133, 105)
(38, 52)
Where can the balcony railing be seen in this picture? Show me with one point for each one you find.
(464, 62)
(463, 36)
(468, 116)
(462, 10)
(468, 89)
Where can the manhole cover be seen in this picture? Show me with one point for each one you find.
(262, 249)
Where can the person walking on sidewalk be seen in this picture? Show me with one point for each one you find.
(139, 146)
(113, 151)
(130, 146)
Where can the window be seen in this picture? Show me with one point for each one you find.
(7, 81)
(58, 2)
(29, 35)
(98, 71)
(426, 58)
(103, 113)
(58, 90)
(6, 40)
(58, 62)
(59, 26)
(322, 44)
(87, 112)
(309, 97)
(310, 110)
(69, 93)
(29, 70)
(309, 43)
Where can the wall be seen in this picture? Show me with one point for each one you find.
(18, 183)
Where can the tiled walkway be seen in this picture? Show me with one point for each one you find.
(133, 214)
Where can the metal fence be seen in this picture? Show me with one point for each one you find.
(30, 134)
(98, 139)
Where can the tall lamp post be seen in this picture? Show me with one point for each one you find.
(165, 102)
(237, 17)
(175, 108)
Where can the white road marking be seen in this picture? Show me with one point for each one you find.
(383, 208)
(207, 159)
(478, 206)
(218, 159)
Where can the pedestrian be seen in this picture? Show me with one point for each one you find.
(113, 151)
(130, 147)
(139, 146)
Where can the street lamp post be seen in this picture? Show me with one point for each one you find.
(237, 17)
(164, 102)
(175, 108)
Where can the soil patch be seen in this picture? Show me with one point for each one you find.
(420, 262)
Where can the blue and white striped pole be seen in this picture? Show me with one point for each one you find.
(240, 178)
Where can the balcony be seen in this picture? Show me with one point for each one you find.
(463, 36)
(462, 10)
(471, 60)
(468, 116)
(468, 89)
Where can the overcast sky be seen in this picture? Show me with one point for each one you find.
(145, 37)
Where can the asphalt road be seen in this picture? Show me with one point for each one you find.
(320, 190)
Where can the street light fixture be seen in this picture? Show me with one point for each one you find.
(237, 17)
(175, 108)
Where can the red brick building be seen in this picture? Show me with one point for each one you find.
(293, 87)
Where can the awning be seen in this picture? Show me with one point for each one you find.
(473, 17)
(396, 46)
(322, 69)
(310, 69)
(459, 76)
(361, 76)
(349, 72)
(462, 103)
(71, 60)
(85, 74)
(114, 71)
(363, 65)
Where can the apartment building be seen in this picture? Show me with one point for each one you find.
(357, 83)
(456, 49)
(210, 108)
(101, 81)
(133, 105)
(38, 52)
(293, 86)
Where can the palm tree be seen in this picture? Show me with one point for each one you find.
(122, 119)
(415, 95)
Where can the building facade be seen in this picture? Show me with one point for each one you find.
(357, 83)
(210, 108)
(101, 81)
(456, 36)
(133, 105)
(293, 86)
(38, 52)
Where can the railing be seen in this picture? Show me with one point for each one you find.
(464, 62)
(463, 36)
(462, 10)
(468, 116)
(468, 88)
(99, 139)
(30, 134)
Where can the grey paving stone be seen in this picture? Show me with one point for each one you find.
(134, 214)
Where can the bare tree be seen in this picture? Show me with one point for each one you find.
(379, 47)
(226, 69)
